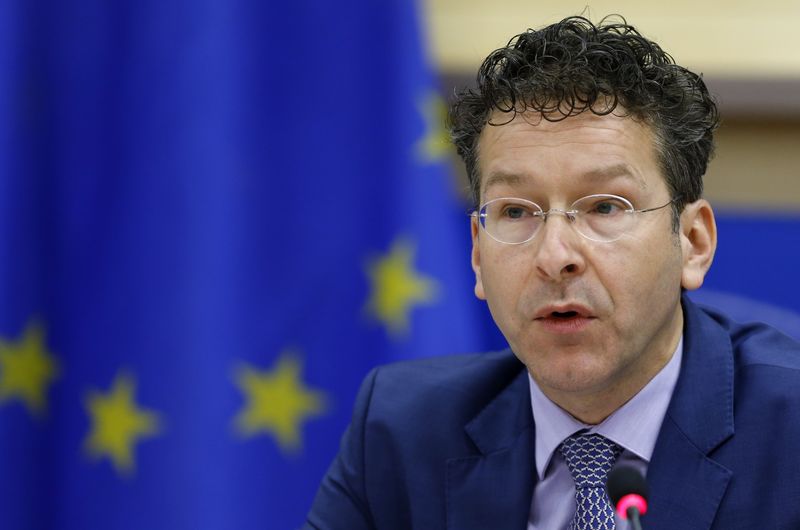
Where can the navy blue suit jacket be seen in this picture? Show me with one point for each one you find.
(448, 442)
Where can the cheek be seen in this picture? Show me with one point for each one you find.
(666, 267)
(643, 284)
(504, 277)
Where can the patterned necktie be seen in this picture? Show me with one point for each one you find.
(589, 458)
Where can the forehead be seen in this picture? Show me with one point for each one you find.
(582, 150)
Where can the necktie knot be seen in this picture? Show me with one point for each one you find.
(589, 458)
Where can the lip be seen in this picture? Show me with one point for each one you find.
(579, 321)
(548, 311)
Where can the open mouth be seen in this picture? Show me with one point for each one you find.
(564, 318)
(565, 321)
(565, 315)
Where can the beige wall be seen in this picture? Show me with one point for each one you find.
(757, 165)
(740, 38)
(748, 51)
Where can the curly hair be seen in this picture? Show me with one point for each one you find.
(574, 66)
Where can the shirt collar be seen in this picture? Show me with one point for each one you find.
(646, 410)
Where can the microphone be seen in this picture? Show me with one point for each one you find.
(627, 489)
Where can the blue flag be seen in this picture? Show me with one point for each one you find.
(215, 218)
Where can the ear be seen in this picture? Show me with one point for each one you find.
(698, 236)
(476, 259)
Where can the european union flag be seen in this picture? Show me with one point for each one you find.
(215, 217)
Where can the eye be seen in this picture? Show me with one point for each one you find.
(510, 211)
(515, 212)
(606, 207)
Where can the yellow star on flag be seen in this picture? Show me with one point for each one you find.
(118, 424)
(395, 287)
(434, 145)
(26, 370)
(277, 401)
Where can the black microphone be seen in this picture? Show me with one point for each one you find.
(627, 489)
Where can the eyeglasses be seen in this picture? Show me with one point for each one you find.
(603, 218)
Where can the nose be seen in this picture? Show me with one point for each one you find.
(559, 249)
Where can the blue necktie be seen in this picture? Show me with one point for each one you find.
(589, 458)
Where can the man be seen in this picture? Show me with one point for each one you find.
(585, 147)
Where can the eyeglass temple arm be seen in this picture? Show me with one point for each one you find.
(645, 210)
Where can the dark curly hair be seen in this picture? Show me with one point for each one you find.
(573, 66)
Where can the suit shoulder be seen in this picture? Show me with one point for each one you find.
(471, 370)
(756, 344)
(446, 366)
(462, 382)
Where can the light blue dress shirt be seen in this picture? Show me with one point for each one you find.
(634, 426)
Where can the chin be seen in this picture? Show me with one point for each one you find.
(572, 377)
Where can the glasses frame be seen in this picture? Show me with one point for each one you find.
(571, 214)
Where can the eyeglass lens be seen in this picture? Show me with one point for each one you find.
(602, 218)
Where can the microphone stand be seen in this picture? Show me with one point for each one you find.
(633, 518)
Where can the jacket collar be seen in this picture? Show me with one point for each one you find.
(686, 484)
(493, 489)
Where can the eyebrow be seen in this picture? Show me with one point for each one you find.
(597, 174)
(614, 171)
(501, 178)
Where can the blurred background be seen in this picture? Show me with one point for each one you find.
(216, 217)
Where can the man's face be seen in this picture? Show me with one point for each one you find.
(585, 317)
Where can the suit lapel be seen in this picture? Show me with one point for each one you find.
(686, 484)
(493, 489)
